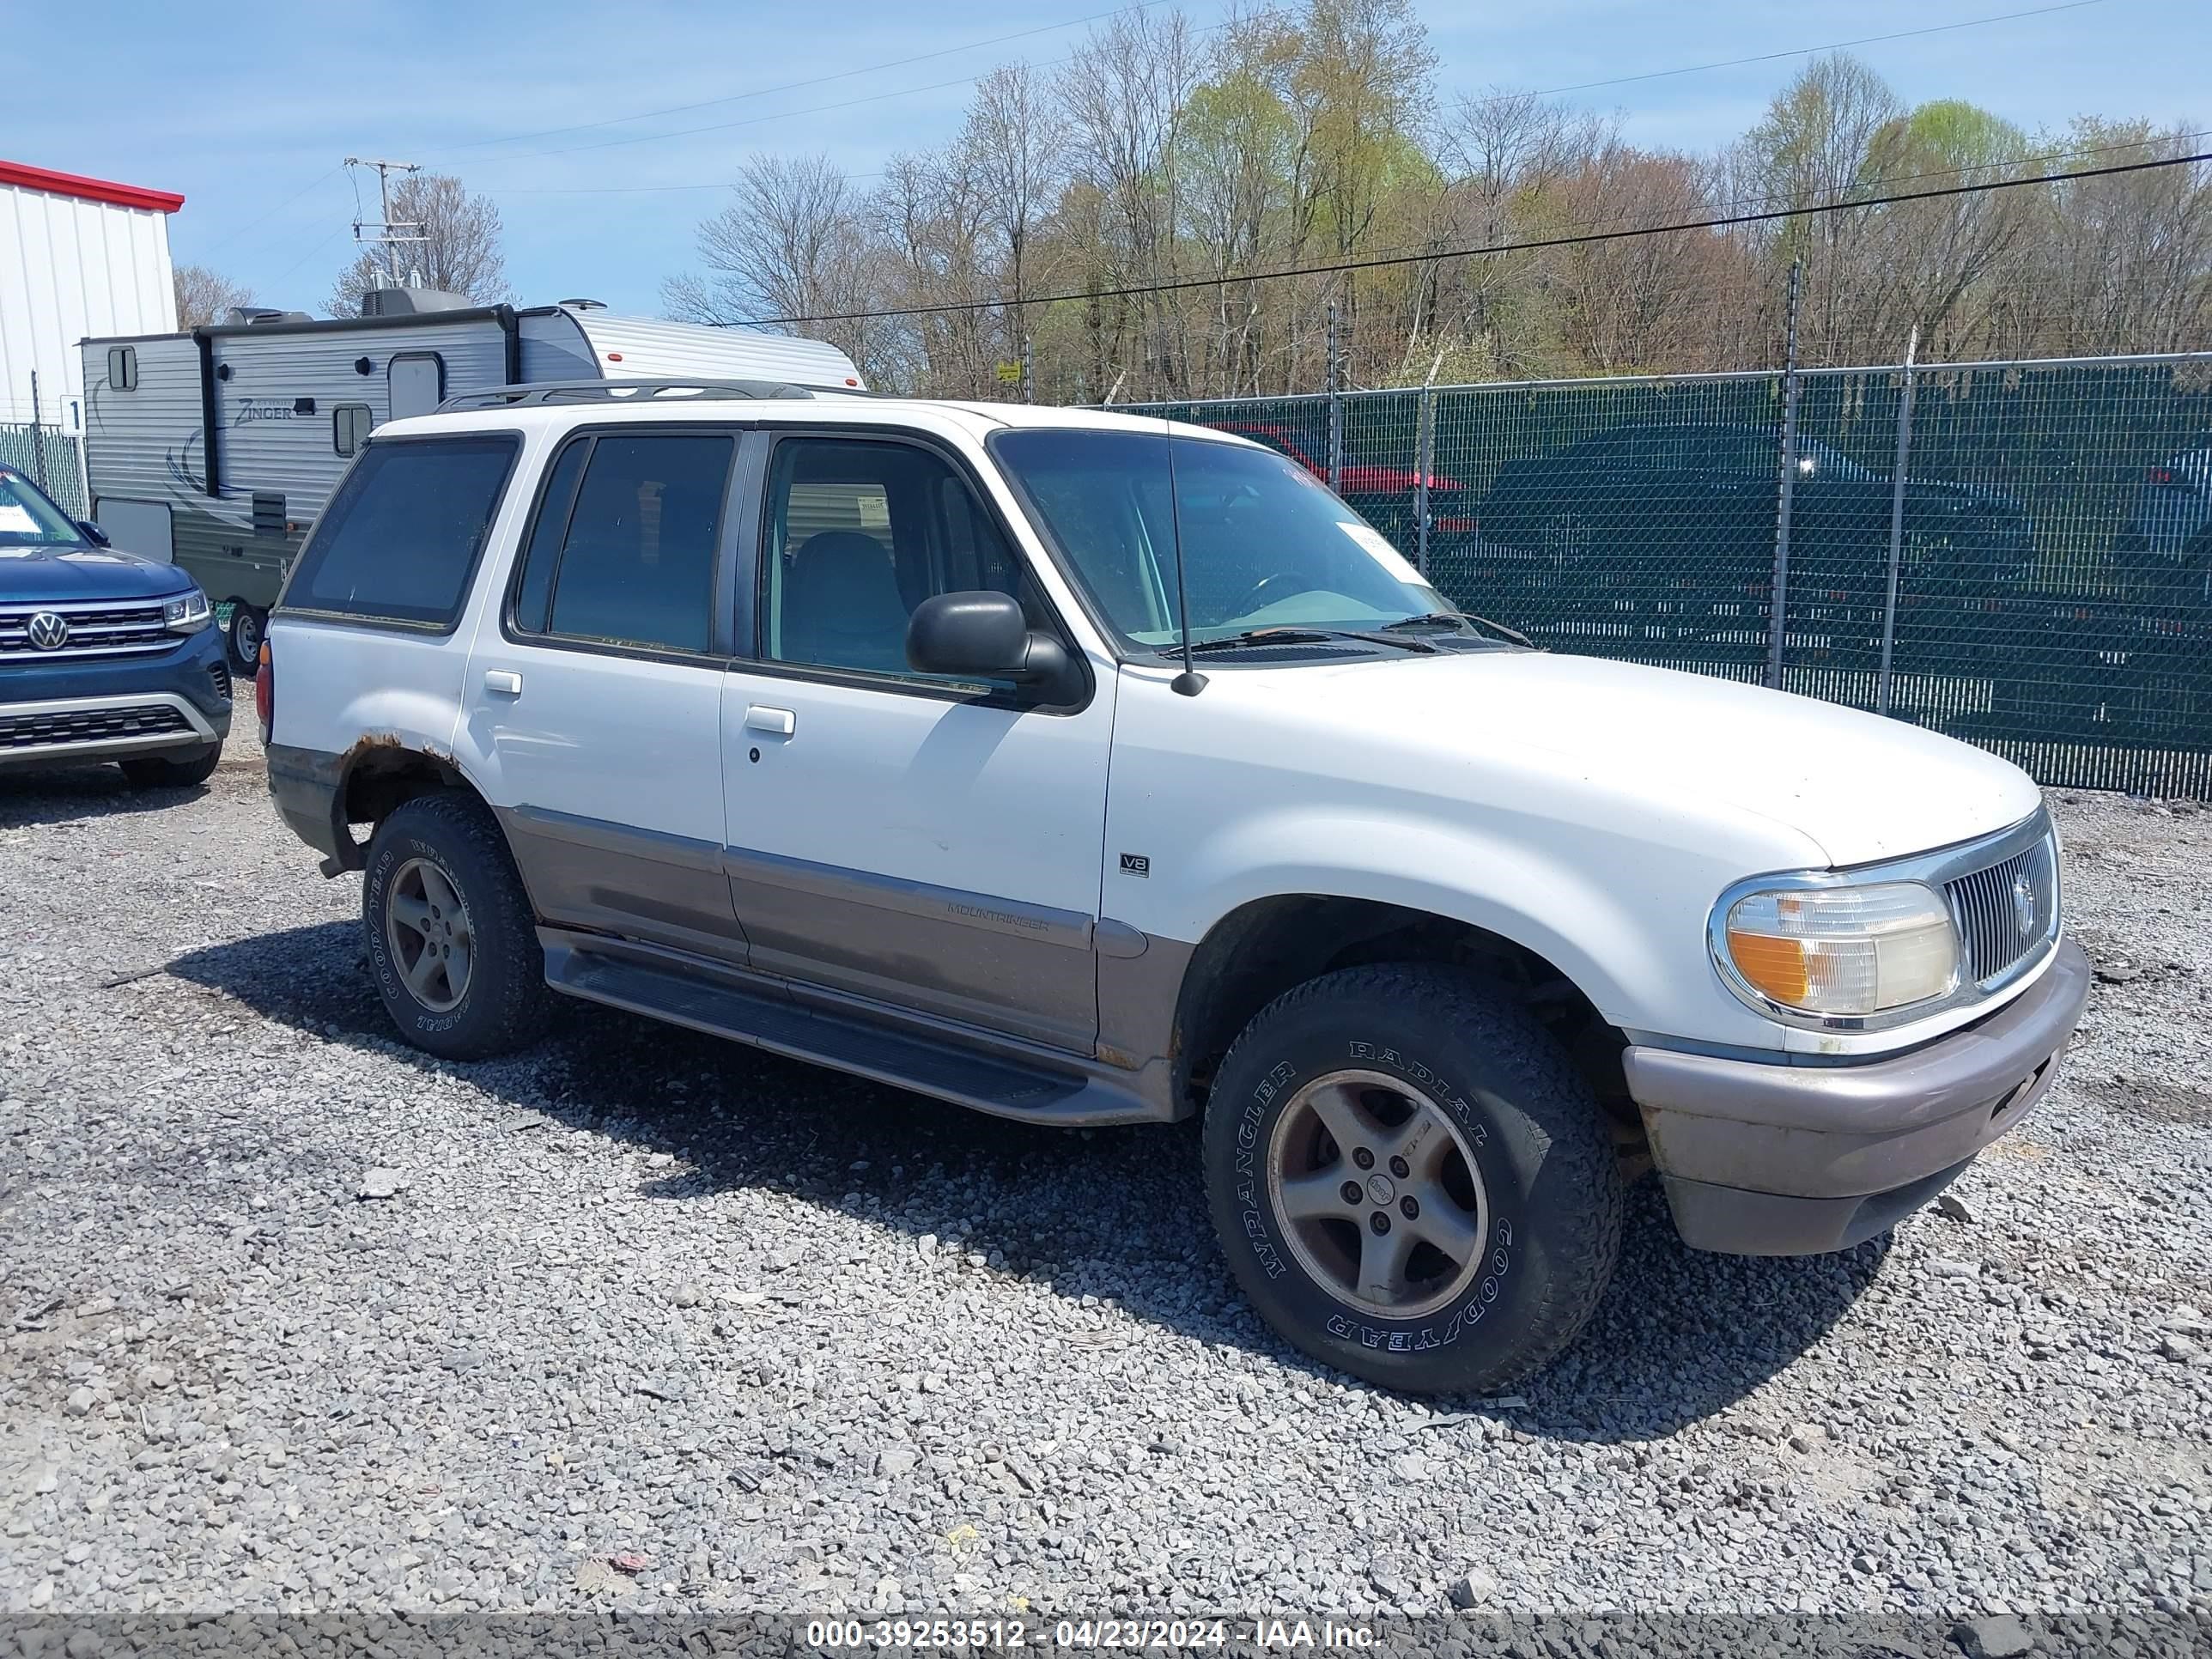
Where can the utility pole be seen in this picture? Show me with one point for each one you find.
(1882, 686)
(388, 235)
(1335, 384)
(1778, 596)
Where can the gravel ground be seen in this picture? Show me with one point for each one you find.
(781, 1340)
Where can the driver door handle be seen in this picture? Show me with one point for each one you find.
(503, 680)
(779, 722)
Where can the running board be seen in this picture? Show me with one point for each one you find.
(764, 1018)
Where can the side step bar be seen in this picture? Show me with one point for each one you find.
(766, 1018)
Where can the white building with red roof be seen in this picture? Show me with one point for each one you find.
(78, 256)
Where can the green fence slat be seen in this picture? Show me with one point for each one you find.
(50, 459)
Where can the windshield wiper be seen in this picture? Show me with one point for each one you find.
(1298, 636)
(1457, 618)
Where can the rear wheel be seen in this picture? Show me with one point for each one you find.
(1411, 1181)
(451, 941)
(162, 772)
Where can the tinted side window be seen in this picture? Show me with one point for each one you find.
(859, 534)
(401, 537)
(534, 590)
(637, 564)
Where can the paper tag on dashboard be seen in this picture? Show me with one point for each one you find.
(15, 520)
(1386, 555)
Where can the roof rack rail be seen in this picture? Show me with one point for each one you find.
(586, 392)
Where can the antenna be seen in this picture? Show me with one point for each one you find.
(1190, 682)
(389, 234)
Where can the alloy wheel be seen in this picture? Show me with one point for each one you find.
(1377, 1193)
(426, 928)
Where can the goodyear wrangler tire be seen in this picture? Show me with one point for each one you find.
(1410, 1181)
(453, 943)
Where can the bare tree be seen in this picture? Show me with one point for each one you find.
(1642, 302)
(459, 252)
(1814, 146)
(206, 296)
(1509, 151)
(791, 244)
(2125, 262)
(1125, 92)
(934, 212)
(1015, 145)
(1240, 155)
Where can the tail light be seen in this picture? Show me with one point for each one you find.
(2159, 475)
(264, 692)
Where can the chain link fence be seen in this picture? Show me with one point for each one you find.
(2018, 554)
(49, 459)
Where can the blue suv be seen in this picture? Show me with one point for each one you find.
(104, 655)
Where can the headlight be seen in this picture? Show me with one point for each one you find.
(187, 614)
(1844, 950)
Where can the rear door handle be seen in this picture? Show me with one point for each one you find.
(503, 680)
(781, 722)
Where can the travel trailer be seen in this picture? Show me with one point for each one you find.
(215, 448)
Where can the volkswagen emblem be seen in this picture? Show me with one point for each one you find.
(2023, 905)
(48, 631)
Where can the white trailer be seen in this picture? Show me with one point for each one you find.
(216, 448)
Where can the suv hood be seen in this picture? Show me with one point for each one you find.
(30, 575)
(1861, 786)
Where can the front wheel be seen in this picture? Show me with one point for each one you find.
(164, 772)
(451, 942)
(246, 627)
(1410, 1180)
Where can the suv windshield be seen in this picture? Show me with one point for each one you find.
(1264, 544)
(28, 519)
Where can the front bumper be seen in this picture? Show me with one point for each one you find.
(85, 711)
(1775, 1159)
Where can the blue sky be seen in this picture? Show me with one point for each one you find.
(248, 108)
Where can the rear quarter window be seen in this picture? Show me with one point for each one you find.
(400, 540)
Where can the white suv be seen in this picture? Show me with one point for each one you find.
(862, 730)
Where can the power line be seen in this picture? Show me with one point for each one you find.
(824, 109)
(233, 239)
(617, 189)
(1723, 222)
(334, 234)
(757, 120)
(2036, 159)
(817, 81)
(1886, 182)
(940, 86)
(1799, 51)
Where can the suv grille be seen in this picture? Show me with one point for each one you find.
(2005, 911)
(151, 720)
(131, 628)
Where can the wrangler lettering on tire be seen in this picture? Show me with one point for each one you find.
(1410, 1180)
